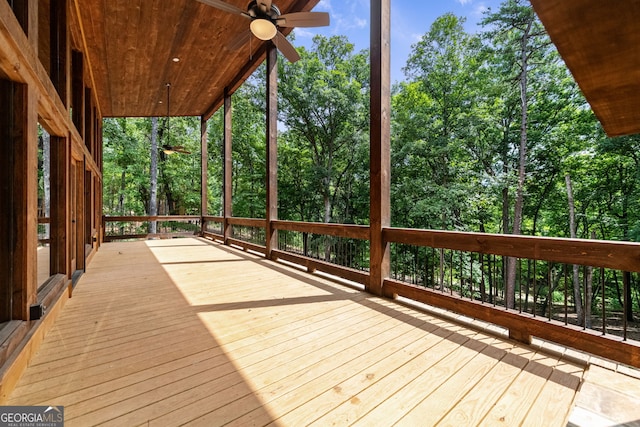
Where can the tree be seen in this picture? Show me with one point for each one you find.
(124, 173)
(128, 171)
(323, 107)
(249, 148)
(576, 271)
(520, 39)
(432, 119)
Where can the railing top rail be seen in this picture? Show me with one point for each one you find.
(139, 218)
(623, 256)
(339, 230)
(247, 222)
(213, 218)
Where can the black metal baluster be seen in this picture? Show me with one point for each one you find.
(604, 305)
(535, 278)
(519, 281)
(550, 289)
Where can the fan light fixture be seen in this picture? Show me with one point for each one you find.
(263, 29)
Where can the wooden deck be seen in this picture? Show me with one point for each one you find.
(185, 331)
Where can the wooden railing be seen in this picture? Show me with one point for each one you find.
(137, 227)
(213, 226)
(294, 243)
(466, 274)
(338, 249)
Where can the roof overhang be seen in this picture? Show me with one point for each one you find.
(130, 46)
(600, 43)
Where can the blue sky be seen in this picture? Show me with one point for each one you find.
(410, 19)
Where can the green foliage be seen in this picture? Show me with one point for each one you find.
(323, 107)
(126, 174)
(249, 148)
(455, 141)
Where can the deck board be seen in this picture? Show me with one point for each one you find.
(186, 331)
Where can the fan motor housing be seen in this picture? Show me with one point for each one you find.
(255, 12)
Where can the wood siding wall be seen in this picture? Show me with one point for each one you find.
(44, 84)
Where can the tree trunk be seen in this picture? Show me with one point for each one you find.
(327, 207)
(577, 296)
(442, 260)
(628, 300)
(588, 297)
(327, 216)
(153, 181)
(522, 166)
(123, 186)
(618, 292)
(554, 281)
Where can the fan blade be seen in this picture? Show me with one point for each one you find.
(304, 19)
(265, 5)
(286, 47)
(219, 4)
(239, 41)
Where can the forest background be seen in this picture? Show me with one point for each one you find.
(490, 133)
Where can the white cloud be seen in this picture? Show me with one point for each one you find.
(354, 16)
(324, 6)
(359, 23)
(479, 10)
(303, 33)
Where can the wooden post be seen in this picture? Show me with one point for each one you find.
(60, 219)
(19, 195)
(380, 163)
(78, 93)
(6, 208)
(204, 173)
(227, 168)
(272, 149)
(97, 138)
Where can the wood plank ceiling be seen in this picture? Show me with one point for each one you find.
(130, 46)
(600, 43)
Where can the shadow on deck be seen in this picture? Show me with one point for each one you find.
(186, 331)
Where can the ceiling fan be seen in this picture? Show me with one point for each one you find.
(266, 19)
(166, 148)
(172, 149)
